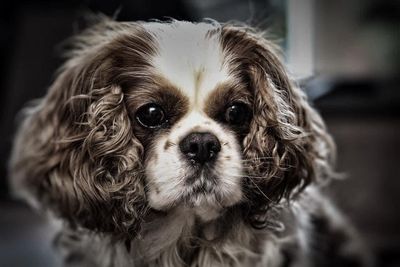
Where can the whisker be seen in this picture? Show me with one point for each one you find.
(255, 158)
(251, 176)
(259, 189)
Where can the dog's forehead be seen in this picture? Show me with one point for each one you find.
(190, 57)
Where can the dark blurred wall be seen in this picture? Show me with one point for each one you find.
(357, 59)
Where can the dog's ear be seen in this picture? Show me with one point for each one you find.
(76, 153)
(288, 144)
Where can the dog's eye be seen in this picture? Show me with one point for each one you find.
(237, 114)
(151, 116)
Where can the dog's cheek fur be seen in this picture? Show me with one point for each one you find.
(76, 153)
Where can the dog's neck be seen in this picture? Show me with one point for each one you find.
(180, 237)
(186, 233)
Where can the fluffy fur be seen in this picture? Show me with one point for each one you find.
(124, 192)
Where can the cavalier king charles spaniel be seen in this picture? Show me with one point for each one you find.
(181, 144)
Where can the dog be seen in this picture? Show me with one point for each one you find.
(181, 144)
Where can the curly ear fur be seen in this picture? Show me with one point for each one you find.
(288, 144)
(75, 152)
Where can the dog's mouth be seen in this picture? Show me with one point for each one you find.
(202, 188)
(199, 176)
(199, 187)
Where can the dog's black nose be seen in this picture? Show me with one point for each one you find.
(200, 147)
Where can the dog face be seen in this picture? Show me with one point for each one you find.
(158, 115)
(196, 121)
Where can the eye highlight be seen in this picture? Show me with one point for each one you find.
(151, 116)
(237, 114)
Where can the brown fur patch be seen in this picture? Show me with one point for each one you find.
(86, 108)
(275, 147)
(167, 144)
(196, 128)
(156, 90)
(225, 94)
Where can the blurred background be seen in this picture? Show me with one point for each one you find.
(344, 53)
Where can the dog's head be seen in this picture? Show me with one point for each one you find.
(160, 115)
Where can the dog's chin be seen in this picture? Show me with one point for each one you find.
(202, 192)
(204, 206)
